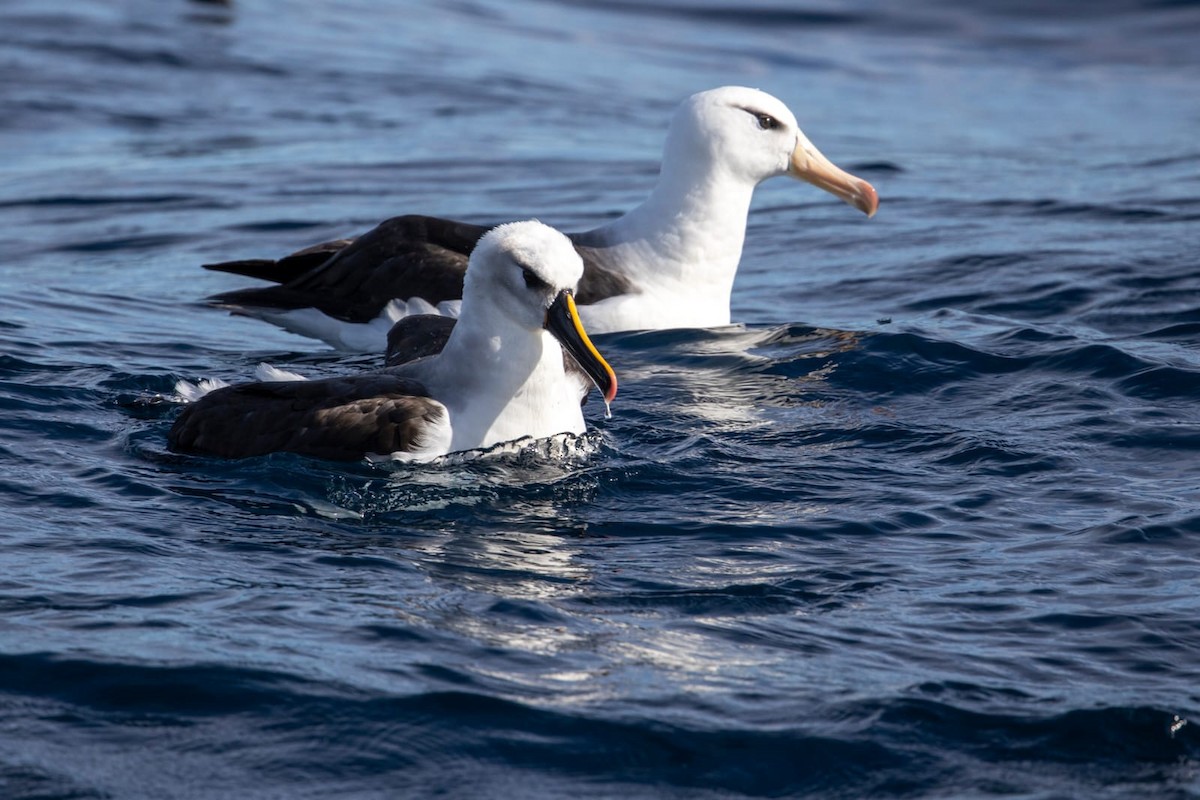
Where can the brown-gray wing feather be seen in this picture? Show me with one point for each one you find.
(600, 281)
(338, 418)
(417, 336)
(403, 257)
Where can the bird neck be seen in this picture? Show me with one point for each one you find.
(692, 228)
(501, 354)
(510, 385)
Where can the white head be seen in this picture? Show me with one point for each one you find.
(521, 267)
(524, 274)
(753, 136)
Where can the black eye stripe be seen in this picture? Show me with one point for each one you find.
(765, 120)
(533, 280)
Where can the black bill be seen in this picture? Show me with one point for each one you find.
(562, 320)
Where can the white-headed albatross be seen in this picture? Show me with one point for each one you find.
(668, 263)
(501, 376)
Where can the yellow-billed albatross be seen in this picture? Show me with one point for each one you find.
(668, 263)
(501, 375)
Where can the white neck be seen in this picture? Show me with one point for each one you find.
(695, 224)
(684, 243)
(508, 382)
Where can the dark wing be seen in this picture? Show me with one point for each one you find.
(341, 419)
(600, 281)
(417, 336)
(403, 257)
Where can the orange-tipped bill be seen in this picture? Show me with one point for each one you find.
(562, 320)
(808, 164)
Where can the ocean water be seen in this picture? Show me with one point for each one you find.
(924, 524)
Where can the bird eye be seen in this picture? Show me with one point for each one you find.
(533, 280)
(766, 122)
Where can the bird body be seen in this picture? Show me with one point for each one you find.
(670, 262)
(500, 376)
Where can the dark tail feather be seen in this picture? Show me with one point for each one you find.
(262, 268)
(285, 269)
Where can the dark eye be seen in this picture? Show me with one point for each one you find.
(766, 122)
(533, 280)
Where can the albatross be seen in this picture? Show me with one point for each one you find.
(667, 263)
(510, 369)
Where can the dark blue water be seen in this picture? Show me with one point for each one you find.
(926, 525)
